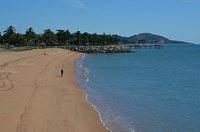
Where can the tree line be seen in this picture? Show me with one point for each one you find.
(11, 37)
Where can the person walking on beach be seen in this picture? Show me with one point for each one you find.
(62, 72)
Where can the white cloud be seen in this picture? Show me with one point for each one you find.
(78, 4)
(82, 4)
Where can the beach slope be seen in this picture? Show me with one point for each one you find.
(34, 98)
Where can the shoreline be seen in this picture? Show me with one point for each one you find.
(35, 98)
(78, 66)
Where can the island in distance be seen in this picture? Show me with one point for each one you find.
(149, 38)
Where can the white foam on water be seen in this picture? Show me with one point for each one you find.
(99, 114)
(85, 74)
(84, 70)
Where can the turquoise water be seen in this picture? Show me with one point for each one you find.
(146, 91)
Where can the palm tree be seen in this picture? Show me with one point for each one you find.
(63, 36)
(30, 35)
(19, 40)
(49, 37)
(9, 36)
(10, 31)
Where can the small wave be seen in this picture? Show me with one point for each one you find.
(84, 71)
(98, 112)
(85, 74)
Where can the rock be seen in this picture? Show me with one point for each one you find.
(101, 49)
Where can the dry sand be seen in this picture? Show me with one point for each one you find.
(34, 98)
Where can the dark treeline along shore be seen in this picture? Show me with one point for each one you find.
(82, 42)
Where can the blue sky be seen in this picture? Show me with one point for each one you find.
(175, 19)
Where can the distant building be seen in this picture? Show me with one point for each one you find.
(32, 42)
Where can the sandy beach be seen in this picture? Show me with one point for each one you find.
(34, 98)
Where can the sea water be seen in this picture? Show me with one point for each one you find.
(146, 91)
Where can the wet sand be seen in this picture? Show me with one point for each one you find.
(34, 98)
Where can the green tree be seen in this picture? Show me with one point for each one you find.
(10, 36)
(19, 40)
(1, 39)
(49, 37)
(63, 36)
(93, 39)
(78, 38)
(85, 37)
(30, 35)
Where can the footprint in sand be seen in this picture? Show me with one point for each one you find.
(5, 83)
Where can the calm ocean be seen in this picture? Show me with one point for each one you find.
(146, 91)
